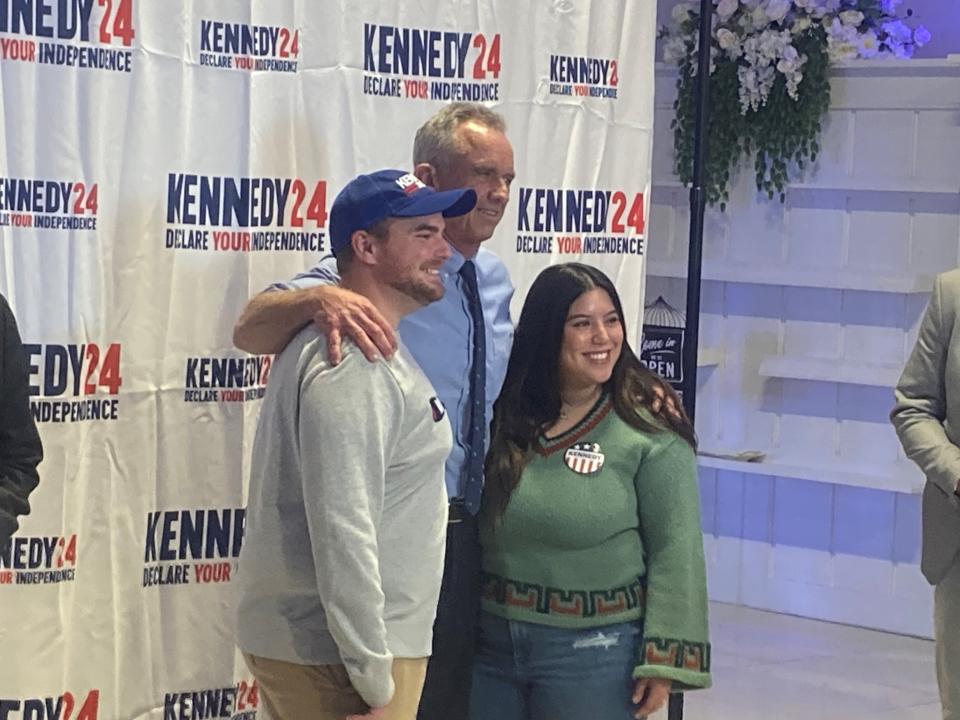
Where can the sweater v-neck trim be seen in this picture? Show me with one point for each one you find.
(547, 446)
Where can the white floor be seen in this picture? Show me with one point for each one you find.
(777, 667)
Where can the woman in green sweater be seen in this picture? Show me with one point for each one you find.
(594, 601)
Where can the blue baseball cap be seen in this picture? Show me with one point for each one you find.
(368, 199)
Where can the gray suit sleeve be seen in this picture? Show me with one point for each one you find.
(920, 408)
(347, 423)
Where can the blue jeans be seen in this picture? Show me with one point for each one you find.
(525, 671)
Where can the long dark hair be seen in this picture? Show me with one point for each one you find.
(530, 399)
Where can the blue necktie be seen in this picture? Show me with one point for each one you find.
(476, 430)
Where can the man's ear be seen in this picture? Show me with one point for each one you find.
(426, 174)
(362, 244)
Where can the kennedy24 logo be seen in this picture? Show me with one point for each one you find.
(422, 52)
(219, 201)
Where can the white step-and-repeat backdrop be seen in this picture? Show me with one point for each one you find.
(162, 161)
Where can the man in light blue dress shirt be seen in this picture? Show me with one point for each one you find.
(463, 145)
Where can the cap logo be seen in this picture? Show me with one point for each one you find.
(409, 183)
(439, 411)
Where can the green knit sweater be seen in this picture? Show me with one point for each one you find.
(604, 528)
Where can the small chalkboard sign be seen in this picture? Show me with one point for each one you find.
(661, 344)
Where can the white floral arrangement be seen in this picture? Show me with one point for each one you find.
(767, 48)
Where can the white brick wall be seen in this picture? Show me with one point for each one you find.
(880, 210)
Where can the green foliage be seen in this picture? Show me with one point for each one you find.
(782, 136)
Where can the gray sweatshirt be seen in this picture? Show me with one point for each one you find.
(346, 519)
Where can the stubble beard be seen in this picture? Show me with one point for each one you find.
(420, 292)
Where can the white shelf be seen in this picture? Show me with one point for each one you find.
(709, 356)
(830, 370)
(835, 279)
(901, 476)
(850, 185)
(909, 187)
(949, 65)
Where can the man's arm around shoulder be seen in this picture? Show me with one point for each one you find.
(271, 318)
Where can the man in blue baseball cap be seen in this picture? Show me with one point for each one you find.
(342, 558)
(462, 343)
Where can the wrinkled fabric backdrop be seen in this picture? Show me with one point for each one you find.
(160, 162)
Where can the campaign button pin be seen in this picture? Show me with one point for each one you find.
(584, 458)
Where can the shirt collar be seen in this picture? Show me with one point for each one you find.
(455, 261)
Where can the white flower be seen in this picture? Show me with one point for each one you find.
(726, 9)
(681, 13)
(921, 36)
(793, 84)
(769, 44)
(674, 49)
(786, 67)
(851, 17)
(868, 45)
(840, 49)
(759, 17)
(747, 89)
(776, 10)
(801, 24)
(842, 33)
(790, 54)
(728, 40)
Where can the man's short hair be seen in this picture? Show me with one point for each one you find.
(379, 230)
(435, 142)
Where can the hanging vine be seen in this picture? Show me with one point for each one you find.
(769, 85)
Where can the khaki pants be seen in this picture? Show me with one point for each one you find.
(289, 691)
(946, 628)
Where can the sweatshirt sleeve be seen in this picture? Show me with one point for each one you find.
(20, 448)
(346, 429)
(675, 643)
(921, 401)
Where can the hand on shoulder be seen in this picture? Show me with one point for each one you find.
(340, 312)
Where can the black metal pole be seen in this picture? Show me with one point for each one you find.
(698, 203)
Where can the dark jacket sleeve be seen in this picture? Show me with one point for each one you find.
(20, 448)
